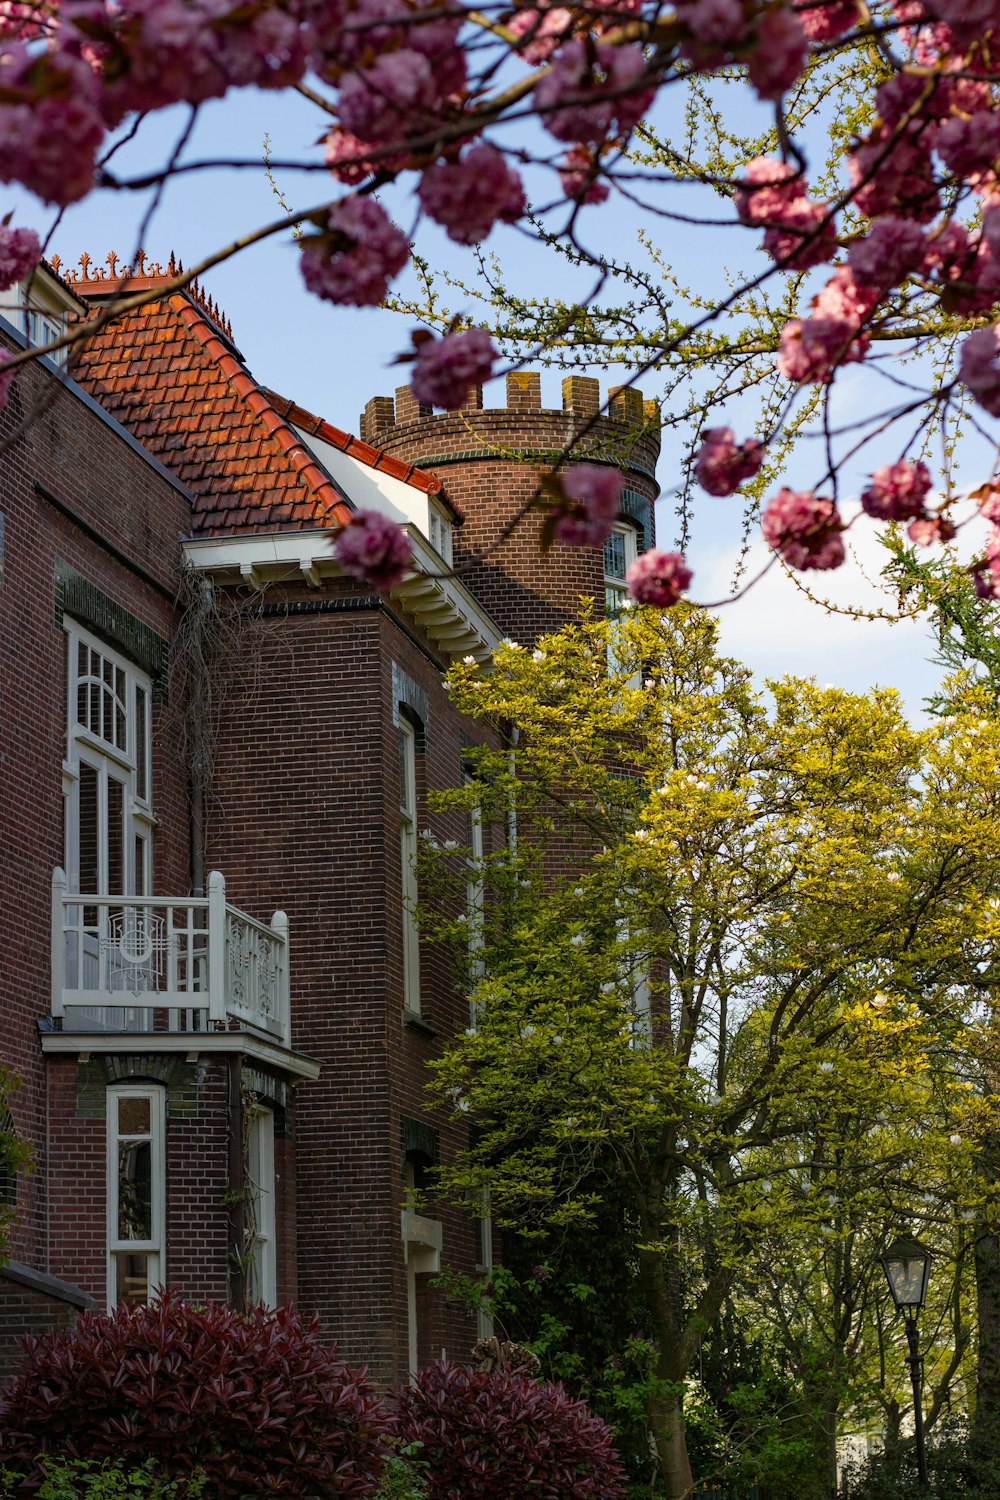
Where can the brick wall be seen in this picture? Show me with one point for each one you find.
(490, 462)
(313, 828)
(77, 498)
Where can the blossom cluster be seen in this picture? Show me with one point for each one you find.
(421, 89)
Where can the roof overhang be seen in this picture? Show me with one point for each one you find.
(450, 616)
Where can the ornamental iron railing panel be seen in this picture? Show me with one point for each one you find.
(149, 963)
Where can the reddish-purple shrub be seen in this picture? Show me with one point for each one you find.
(500, 1435)
(254, 1400)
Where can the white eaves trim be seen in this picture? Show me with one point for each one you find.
(442, 606)
(191, 1043)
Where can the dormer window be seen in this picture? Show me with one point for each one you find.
(439, 533)
(42, 327)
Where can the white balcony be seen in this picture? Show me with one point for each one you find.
(155, 964)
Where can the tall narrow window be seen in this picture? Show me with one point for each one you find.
(620, 552)
(484, 1266)
(136, 1193)
(475, 897)
(262, 1277)
(408, 861)
(109, 818)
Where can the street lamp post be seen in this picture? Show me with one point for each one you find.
(907, 1266)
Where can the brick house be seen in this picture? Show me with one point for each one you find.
(217, 755)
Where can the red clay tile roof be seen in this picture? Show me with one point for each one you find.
(316, 427)
(168, 374)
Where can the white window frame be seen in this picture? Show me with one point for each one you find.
(439, 532)
(613, 584)
(129, 763)
(122, 760)
(155, 1247)
(408, 862)
(262, 1271)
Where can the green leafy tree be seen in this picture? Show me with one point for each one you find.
(718, 924)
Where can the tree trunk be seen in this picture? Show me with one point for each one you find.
(666, 1421)
(659, 1276)
(831, 1409)
(986, 1422)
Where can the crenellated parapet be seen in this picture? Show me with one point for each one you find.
(490, 461)
(621, 429)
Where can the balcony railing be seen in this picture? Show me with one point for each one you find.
(153, 963)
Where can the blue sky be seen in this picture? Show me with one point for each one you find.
(333, 359)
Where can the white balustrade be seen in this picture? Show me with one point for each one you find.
(118, 959)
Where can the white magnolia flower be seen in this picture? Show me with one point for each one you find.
(956, 1140)
(538, 656)
(880, 1001)
(450, 844)
(577, 939)
(469, 661)
(826, 1067)
(578, 890)
(528, 1031)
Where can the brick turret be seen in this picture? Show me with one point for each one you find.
(490, 460)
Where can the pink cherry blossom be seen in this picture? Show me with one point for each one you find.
(50, 125)
(978, 368)
(592, 505)
(811, 349)
(714, 24)
(578, 175)
(986, 574)
(772, 195)
(892, 248)
(989, 503)
(470, 195)
(581, 103)
(356, 258)
(374, 548)
(723, 464)
(801, 239)
(767, 188)
(845, 298)
(447, 370)
(779, 54)
(658, 578)
(396, 95)
(927, 529)
(821, 23)
(540, 32)
(897, 491)
(895, 176)
(970, 147)
(804, 528)
(20, 252)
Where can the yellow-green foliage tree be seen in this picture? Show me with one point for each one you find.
(728, 910)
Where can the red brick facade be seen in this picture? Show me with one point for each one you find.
(300, 812)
